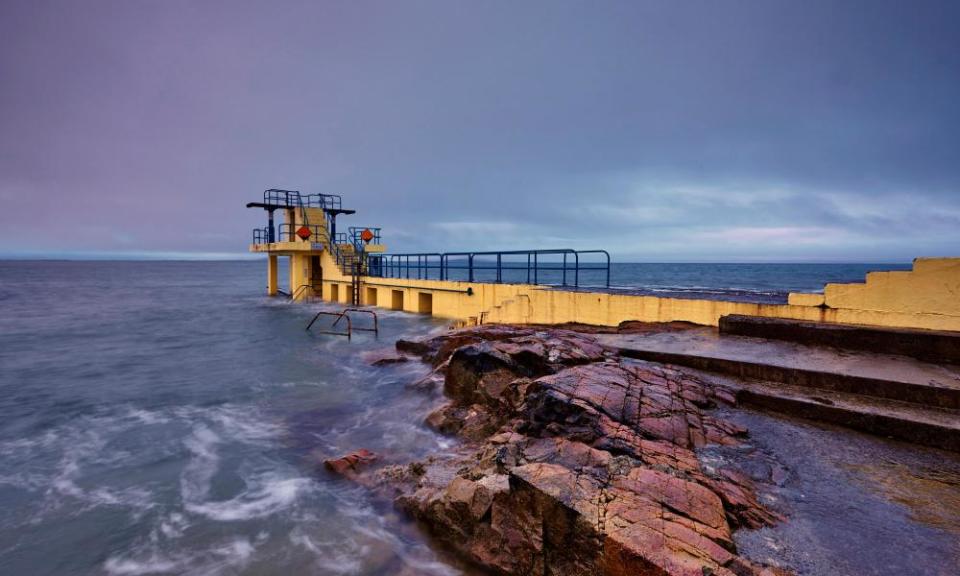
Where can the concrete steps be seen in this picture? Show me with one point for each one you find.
(928, 345)
(930, 393)
(883, 394)
(938, 428)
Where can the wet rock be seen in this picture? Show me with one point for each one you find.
(388, 360)
(350, 464)
(438, 349)
(431, 383)
(384, 357)
(576, 461)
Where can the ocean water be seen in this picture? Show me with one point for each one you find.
(765, 283)
(167, 418)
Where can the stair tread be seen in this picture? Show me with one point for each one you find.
(709, 343)
(868, 405)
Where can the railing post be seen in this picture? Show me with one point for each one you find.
(576, 271)
(564, 268)
(608, 267)
(470, 266)
(499, 269)
(535, 275)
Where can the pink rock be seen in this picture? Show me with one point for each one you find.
(351, 463)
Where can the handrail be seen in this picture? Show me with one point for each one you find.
(287, 232)
(294, 199)
(349, 331)
(607, 266)
(356, 231)
(502, 263)
(261, 235)
(346, 314)
(300, 289)
(468, 290)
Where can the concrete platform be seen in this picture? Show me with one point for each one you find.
(888, 395)
(936, 346)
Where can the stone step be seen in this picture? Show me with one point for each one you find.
(937, 428)
(862, 373)
(927, 345)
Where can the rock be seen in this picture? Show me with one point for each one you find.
(438, 349)
(575, 461)
(384, 357)
(387, 360)
(350, 464)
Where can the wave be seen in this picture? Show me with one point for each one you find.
(84, 464)
(203, 464)
(270, 494)
(228, 556)
(701, 289)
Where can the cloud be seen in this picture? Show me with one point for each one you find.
(659, 131)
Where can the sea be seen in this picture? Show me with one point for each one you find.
(162, 417)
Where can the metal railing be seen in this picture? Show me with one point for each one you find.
(345, 314)
(302, 289)
(294, 199)
(261, 235)
(339, 316)
(562, 267)
(376, 322)
(287, 232)
(357, 231)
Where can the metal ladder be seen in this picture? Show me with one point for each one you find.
(355, 282)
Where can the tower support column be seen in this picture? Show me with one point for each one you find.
(271, 275)
(294, 275)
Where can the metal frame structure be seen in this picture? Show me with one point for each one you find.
(356, 231)
(376, 322)
(565, 262)
(277, 199)
(345, 314)
(348, 333)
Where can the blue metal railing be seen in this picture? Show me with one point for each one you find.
(357, 231)
(261, 235)
(563, 267)
(294, 199)
(288, 233)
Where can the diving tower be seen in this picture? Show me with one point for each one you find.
(350, 266)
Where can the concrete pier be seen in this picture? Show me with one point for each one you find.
(334, 267)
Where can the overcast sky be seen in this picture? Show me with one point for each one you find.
(662, 131)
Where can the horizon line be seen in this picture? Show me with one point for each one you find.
(242, 257)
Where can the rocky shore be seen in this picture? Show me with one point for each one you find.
(573, 460)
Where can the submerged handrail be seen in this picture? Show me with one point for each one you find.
(300, 289)
(346, 314)
(341, 315)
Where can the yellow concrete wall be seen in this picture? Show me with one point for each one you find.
(932, 287)
(926, 297)
(513, 303)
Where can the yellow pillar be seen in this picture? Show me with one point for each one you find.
(272, 275)
(294, 276)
